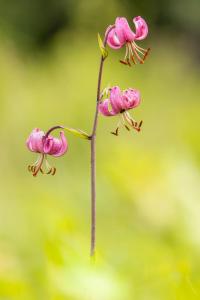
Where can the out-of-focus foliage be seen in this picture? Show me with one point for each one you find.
(35, 23)
(148, 236)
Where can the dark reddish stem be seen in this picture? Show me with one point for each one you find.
(52, 129)
(93, 154)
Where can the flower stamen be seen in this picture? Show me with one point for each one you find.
(37, 168)
(132, 122)
(140, 124)
(41, 170)
(127, 127)
(142, 51)
(53, 171)
(50, 170)
(116, 132)
(134, 49)
(123, 62)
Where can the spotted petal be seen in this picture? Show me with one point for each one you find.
(131, 98)
(116, 99)
(113, 40)
(54, 146)
(35, 141)
(123, 30)
(104, 108)
(141, 28)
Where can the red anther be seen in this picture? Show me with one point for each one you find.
(137, 129)
(128, 62)
(140, 124)
(147, 52)
(54, 171)
(127, 127)
(133, 123)
(116, 132)
(49, 172)
(33, 168)
(123, 62)
(133, 60)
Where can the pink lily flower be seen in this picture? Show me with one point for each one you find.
(45, 144)
(118, 103)
(122, 35)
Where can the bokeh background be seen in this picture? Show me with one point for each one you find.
(148, 200)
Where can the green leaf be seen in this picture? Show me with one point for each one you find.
(78, 132)
(103, 50)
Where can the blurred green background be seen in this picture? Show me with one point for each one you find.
(148, 191)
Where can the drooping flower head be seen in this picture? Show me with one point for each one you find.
(118, 103)
(45, 144)
(122, 35)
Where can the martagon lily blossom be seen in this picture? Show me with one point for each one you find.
(122, 35)
(110, 102)
(118, 103)
(45, 144)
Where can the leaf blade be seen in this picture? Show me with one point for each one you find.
(102, 48)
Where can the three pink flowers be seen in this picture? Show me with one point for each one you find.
(118, 102)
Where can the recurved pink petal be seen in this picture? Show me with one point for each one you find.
(123, 30)
(35, 141)
(131, 98)
(141, 28)
(104, 108)
(54, 146)
(116, 99)
(48, 144)
(113, 40)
